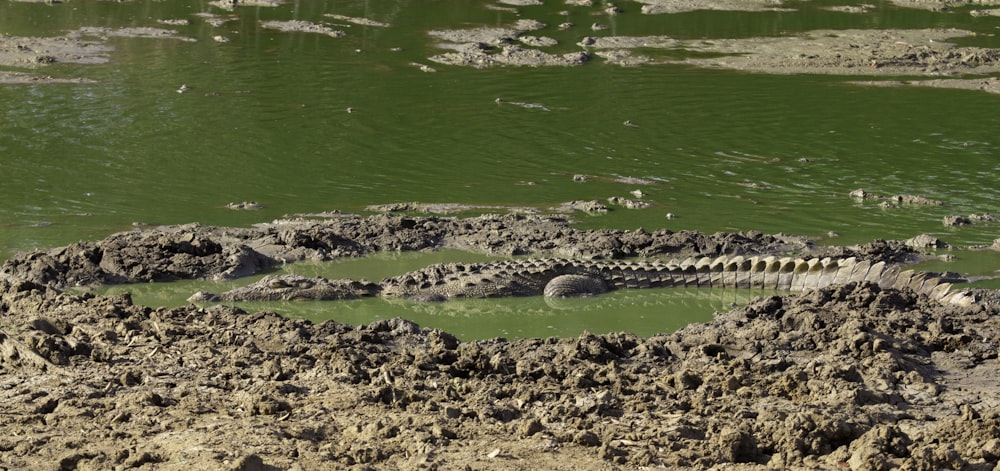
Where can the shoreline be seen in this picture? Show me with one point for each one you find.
(850, 376)
(847, 376)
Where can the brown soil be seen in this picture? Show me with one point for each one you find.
(850, 377)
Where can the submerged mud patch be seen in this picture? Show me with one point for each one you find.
(32, 52)
(303, 27)
(869, 52)
(656, 7)
(491, 46)
(841, 52)
(983, 84)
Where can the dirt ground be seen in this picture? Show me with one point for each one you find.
(849, 377)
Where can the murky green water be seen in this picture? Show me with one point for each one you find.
(266, 121)
(644, 312)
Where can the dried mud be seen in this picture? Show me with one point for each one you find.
(849, 377)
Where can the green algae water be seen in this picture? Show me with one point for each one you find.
(266, 120)
(644, 312)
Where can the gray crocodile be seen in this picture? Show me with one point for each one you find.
(291, 287)
(554, 277)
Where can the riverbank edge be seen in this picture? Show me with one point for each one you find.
(845, 377)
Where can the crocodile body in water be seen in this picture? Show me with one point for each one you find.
(569, 277)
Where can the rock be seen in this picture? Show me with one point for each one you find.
(628, 203)
(587, 438)
(736, 447)
(245, 206)
(861, 194)
(925, 241)
(529, 427)
(955, 220)
(250, 463)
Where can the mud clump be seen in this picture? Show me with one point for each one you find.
(846, 377)
(203, 252)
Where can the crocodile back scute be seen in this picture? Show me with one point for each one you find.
(525, 277)
(582, 277)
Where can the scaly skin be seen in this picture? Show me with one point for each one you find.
(565, 277)
(289, 287)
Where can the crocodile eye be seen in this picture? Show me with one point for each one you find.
(277, 284)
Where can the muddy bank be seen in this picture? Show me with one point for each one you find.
(849, 377)
(204, 252)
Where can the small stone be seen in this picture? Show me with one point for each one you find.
(955, 220)
(529, 428)
(687, 380)
(587, 438)
(860, 194)
(250, 463)
(441, 432)
(925, 241)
